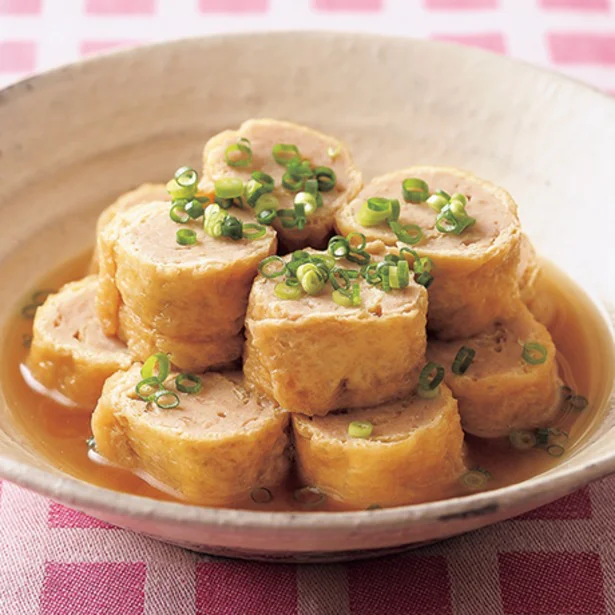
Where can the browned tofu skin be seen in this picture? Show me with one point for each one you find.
(69, 352)
(213, 449)
(475, 274)
(414, 454)
(188, 301)
(535, 298)
(314, 356)
(313, 146)
(500, 392)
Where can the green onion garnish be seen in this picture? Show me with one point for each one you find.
(375, 211)
(577, 403)
(156, 366)
(259, 185)
(283, 153)
(360, 245)
(266, 201)
(294, 184)
(428, 393)
(239, 154)
(326, 178)
(431, 376)
(194, 209)
(555, 450)
(461, 198)
(360, 429)
(341, 299)
(476, 479)
(534, 353)
(463, 360)
(266, 216)
(309, 497)
(186, 177)
(261, 495)
(229, 187)
(91, 443)
(178, 211)
(425, 279)
(185, 237)
(409, 233)
(307, 200)
(415, 190)
(453, 219)
(272, 267)
(213, 219)
(253, 231)
(166, 399)
(147, 388)
(311, 279)
(232, 227)
(193, 388)
(437, 202)
(338, 246)
(522, 439)
(284, 291)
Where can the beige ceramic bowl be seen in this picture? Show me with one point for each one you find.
(74, 138)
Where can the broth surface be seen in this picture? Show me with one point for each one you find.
(60, 432)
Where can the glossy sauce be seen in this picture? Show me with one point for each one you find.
(60, 433)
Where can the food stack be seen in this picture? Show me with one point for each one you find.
(243, 343)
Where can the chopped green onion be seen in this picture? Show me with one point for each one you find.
(294, 184)
(360, 429)
(229, 187)
(239, 154)
(429, 381)
(341, 299)
(178, 211)
(341, 273)
(555, 450)
(577, 403)
(261, 495)
(186, 177)
(253, 231)
(463, 360)
(361, 257)
(160, 362)
(338, 246)
(194, 209)
(358, 246)
(374, 211)
(542, 436)
(334, 152)
(453, 219)
(394, 210)
(476, 479)
(437, 202)
(409, 233)
(415, 190)
(327, 261)
(191, 389)
(91, 443)
(534, 353)
(356, 294)
(232, 228)
(258, 186)
(425, 279)
(186, 237)
(151, 386)
(179, 192)
(283, 153)
(461, 198)
(522, 439)
(266, 216)
(311, 279)
(444, 194)
(428, 393)
(266, 201)
(284, 291)
(307, 200)
(272, 267)
(326, 178)
(300, 216)
(213, 220)
(166, 399)
(309, 497)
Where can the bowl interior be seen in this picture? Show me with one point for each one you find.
(75, 138)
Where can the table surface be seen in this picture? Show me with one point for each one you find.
(558, 560)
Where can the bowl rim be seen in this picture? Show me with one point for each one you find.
(72, 491)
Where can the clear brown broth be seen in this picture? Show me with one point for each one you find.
(60, 433)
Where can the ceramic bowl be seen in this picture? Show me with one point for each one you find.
(74, 138)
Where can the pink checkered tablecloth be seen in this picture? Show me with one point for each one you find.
(559, 560)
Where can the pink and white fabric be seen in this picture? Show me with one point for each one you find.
(559, 560)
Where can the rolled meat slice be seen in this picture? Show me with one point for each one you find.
(475, 272)
(510, 383)
(145, 193)
(319, 149)
(537, 300)
(213, 449)
(69, 351)
(313, 356)
(414, 453)
(194, 296)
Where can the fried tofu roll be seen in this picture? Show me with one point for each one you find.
(318, 149)
(512, 380)
(145, 193)
(213, 448)
(69, 352)
(475, 272)
(313, 355)
(403, 452)
(194, 296)
(539, 302)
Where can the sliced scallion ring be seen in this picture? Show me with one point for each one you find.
(266, 201)
(186, 237)
(283, 153)
(186, 177)
(285, 291)
(178, 211)
(166, 399)
(408, 233)
(431, 375)
(534, 353)
(360, 429)
(425, 279)
(229, 187)
(555, 450)
(194, 209)
(415, 190)
(428, 393)
(232, 228)
(253, 231)
(326, 178)
(307, 200)
(309, 497)
(272, 267)
(341, 299)
(476, 479)
(239, 154)
(156, 366)
(436, 202)
(188, 383)
(463, 359)
(522, 439)
(147, 389)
